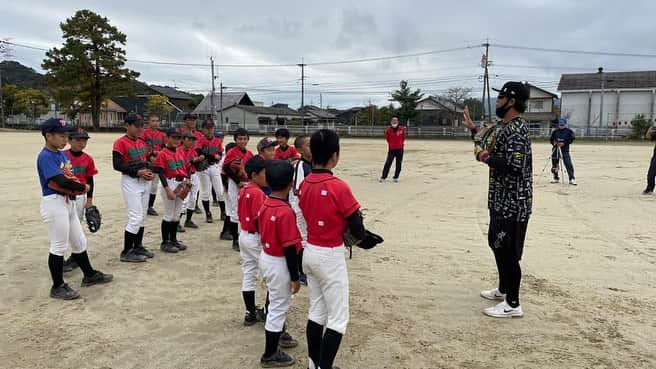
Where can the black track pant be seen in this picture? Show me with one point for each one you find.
(506, 239)
(391, 155)
(651, 174)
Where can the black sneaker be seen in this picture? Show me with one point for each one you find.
(141, 250)
(302, 277)
(223, 216)
(250, 319)
(70, 264)
(190, 224)
(197, 210)
(98, 278)
(287, 341)
(180, 228)
(215, 204)
(153, 212)
(645, 192)
(277, 360)
(132, 257)
(168, 247)
(260, 314)
(208, 218)
(235, 245)
(181, 246)
(64, 292)
(226, 236)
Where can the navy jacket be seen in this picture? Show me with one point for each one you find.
(564, 135)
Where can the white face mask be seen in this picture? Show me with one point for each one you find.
(395, 125)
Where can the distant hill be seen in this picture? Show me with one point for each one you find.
(25, 77)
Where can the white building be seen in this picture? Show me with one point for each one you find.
(624, 95)
(253, 118)
(540, 107)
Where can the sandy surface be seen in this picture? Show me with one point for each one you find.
(588, 291)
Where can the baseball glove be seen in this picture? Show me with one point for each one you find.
(200, 165)
(369, 241)
(94, 220)
(182, 190)
(484, 138)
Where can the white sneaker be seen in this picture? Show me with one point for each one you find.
(503, 310)
(572, 182)
(493, 295)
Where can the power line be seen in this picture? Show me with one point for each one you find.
(581, 52)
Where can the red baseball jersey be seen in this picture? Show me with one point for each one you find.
(131, 149)
(288, 153)
(278, 229)
(326, 202)
(249, 202)
(395, 138)
(172, 162)
(188, 154)
(213, 146)
(82, 166)
(154, 138)
(236, 153)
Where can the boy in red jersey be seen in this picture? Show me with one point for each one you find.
(169, 165)
(211, 149)
(234, 167)
(155, 139)
(281, 242)
(188, 151)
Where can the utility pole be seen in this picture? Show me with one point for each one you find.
(213, 90)
(302, 65)
(4, 52)
(486, 79)
(601, 97)
(221, 101)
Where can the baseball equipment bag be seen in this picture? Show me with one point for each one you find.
(94, 220)
(182, 190)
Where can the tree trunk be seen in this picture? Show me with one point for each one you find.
(97, 99)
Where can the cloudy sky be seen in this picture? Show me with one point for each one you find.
(291, 32)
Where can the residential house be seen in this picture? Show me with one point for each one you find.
(624, 95)
(221, 101)
(177, 98)
(253, 117)
(112, 115)
(318, 116)
(541, 108)
(348, 116)
(436, 111)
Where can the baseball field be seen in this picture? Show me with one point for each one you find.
(588, 289)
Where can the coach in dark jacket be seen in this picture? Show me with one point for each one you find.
(560, 139)
(651, 173)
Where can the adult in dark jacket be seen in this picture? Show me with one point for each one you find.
(560, 139)
(651, 173)
(395, 135)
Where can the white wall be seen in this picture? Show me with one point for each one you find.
(574, 105)
(546, 105)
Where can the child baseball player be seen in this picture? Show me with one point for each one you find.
(234, 167)
(169, 165)
(302, 169)
(284, 151)
(188, 151)
(211, 149)
(225, 231)
(329, 208)
(155, 139)
(266, 148)
(249, 201)
(58, 210)
(281, 241)
(130, 157)
(83, 168)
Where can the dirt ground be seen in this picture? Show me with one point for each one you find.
(588, 291)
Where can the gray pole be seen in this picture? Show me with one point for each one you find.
(302, 65)
(213, 90)
(601, 98)
(487, 79)
(221, 101)
(2, 104)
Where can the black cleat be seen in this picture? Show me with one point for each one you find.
(645, 192)
(215, 204)
(223, 216)
(235, 245)
(64, 292)
(302, 277)
(181, 246)
(226, 236)
(98, 278)
(132, 257)
(208, 218)
(260, 314)
(197, 210)
(69, 264)
(153, 212)
(277, 360)
(250, 319)
(141, 250)
(190, 224)
(180, 228)
(287, 341)
(168, 247)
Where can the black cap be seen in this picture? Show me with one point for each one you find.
(264, 143)
(279, 174)
(173, 132)
(55, 125)
(189, 116)
(254, 165)
(514, 90)
(208, 123)
(134, 119)
(78, 133)
(282, 132)
(188, 134)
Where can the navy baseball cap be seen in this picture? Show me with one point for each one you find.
(515, 90)
(134, 119)
(265, 142)
(78, 133)
(254, 165)
(189, 116)
(174, 132)
(55, 125)
(189, 135)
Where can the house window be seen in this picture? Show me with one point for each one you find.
(537, 104)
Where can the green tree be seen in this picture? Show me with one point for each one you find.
(639, 126)
(408, 100)
(90, 66)
(475, 107)
(195, 100)
(158, 104)
(9, 97)
(31, 102)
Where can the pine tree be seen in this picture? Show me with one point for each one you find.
(408, 100)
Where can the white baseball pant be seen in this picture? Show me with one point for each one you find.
(278, 282)
(153, 186)
(172, 208)
(250, 248)
(211, 178)
(190, 200)
(80, 205)
(329, 286)
(64, 227)
(135, 196)
(231, 201)
(300, 220)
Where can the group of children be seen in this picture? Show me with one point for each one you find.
(284, 211)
